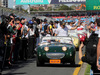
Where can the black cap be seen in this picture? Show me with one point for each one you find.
(22, 19)
(17, 19)
(34, 18)
(12, 15)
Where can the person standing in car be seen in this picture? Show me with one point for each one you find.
(63, 31)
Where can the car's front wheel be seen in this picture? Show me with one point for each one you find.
(39, 63)
(73, 62)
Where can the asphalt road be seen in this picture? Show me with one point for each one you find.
(29, 68)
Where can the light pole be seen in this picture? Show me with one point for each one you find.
(28, 9)
(14, 6)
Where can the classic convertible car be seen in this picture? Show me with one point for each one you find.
(84, 32)
(56, 50)
(75, 39)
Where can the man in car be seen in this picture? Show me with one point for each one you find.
(63, 31)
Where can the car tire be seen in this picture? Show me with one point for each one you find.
(73, 62)
(39, 63)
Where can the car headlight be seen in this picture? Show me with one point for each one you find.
(46, 48)
(80, 36)
(64, 48)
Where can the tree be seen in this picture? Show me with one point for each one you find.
(64, 7)
(73, 7)
(41, 9)
(49, 9)
(19, 7)
(32, 9)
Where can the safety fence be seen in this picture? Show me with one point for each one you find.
(7, 11)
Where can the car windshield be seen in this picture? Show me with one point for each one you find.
(57, 40)
(81, 31)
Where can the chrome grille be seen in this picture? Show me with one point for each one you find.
(55, 55)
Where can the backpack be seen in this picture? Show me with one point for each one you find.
(91, 49)
(45, 28)
(37, 32)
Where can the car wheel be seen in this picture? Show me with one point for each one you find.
(73, 62)
(39, 63)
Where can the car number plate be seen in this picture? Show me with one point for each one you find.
(55, 61)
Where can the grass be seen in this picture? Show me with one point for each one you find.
(87, 71)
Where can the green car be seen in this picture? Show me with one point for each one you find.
(56, 50)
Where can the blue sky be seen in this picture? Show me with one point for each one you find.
(11, 3)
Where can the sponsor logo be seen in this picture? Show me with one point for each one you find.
(72, 0)
(94, 46)
(49, 1)
(31, 1)
(96, 7)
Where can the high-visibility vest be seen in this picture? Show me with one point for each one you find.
(51, 26)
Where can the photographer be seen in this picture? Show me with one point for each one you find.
(92, 50)
(31, 42)
(3, 35)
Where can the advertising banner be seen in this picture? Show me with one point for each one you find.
(92, 4)
(23, 2)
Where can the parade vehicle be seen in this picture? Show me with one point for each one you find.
(82, 34)
(56, 50)
(75, 38)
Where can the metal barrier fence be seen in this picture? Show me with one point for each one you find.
(7, 11)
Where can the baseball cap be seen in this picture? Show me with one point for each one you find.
(30, 22)
(12, 14)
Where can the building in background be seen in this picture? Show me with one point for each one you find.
(45, 7)
(4, 3)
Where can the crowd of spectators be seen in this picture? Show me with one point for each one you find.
(19, 38)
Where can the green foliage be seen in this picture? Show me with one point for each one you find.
(49, 9)
(19, 7)
(73, 7)
(64, 7)
(32, 9)
(41, 9)
(87, 71)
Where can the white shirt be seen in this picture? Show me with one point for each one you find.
(54, 30)
(26, 27)
(48, 35)
(59, 25)
(99, 33)
(81, 27)
(97, 30)
(69, 27)
(62, 32)
(31, 32)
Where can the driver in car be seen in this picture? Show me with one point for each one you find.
(63, 31)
